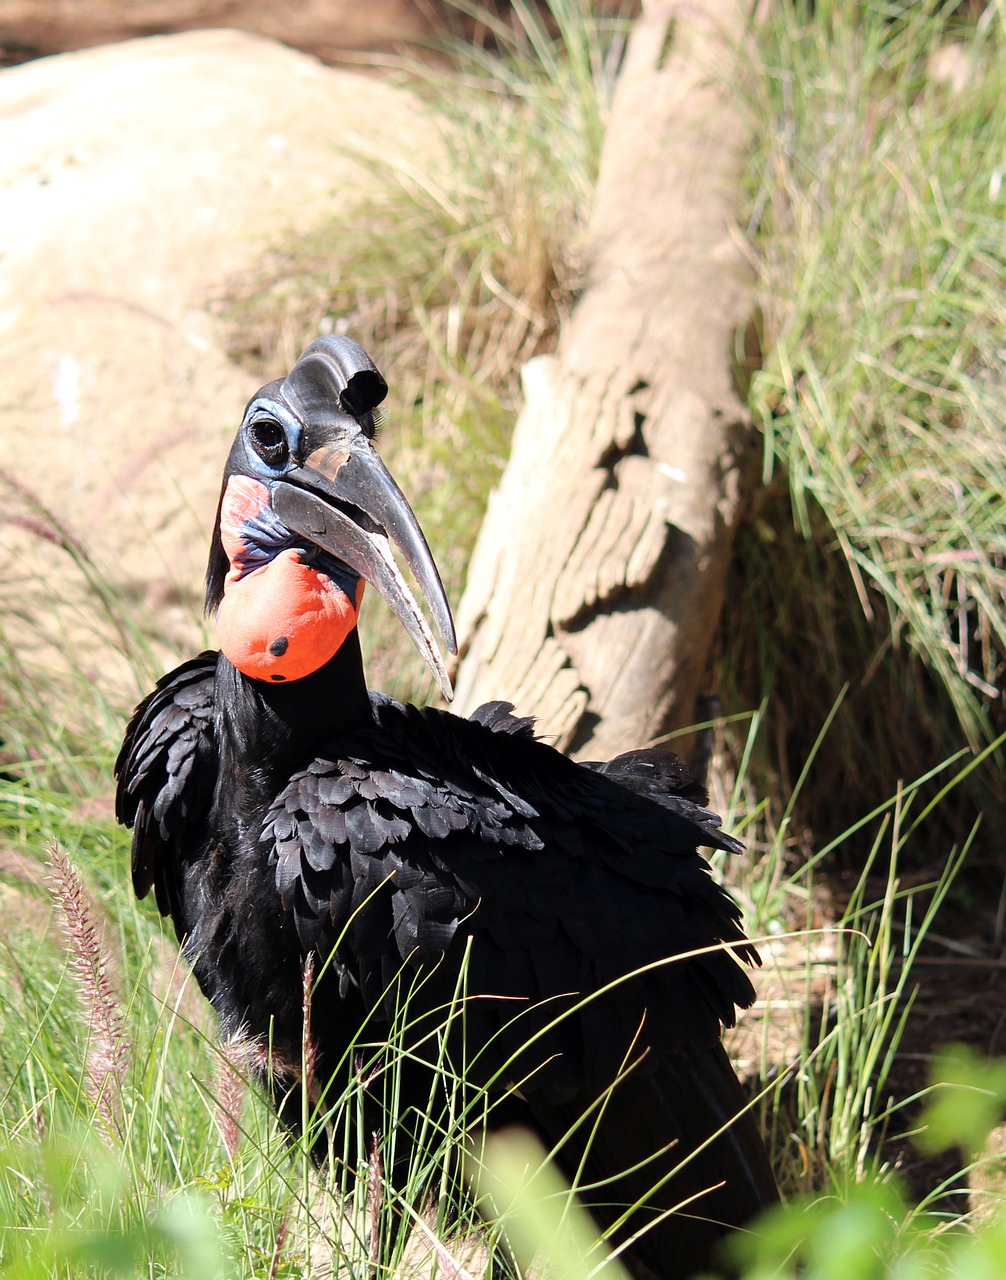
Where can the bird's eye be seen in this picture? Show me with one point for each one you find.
(269, 441)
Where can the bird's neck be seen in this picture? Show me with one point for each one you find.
(266, 732)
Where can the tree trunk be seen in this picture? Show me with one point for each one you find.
(598, 576)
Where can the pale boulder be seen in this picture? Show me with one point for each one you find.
(135, 181)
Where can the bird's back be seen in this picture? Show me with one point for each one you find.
(600, 959)
(560, 922)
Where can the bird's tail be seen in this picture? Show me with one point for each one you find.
(669, 1162)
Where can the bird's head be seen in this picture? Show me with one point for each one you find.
(308, 511)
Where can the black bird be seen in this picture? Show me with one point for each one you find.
(283, 814)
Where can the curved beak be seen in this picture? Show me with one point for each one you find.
(344, 500)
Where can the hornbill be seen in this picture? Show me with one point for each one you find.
(286, 816)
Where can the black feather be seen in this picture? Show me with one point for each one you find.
(412, 853)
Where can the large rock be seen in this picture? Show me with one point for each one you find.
(135, 179)
(327, 28)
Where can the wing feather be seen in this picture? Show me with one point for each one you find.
(166, 772)
(565, 880)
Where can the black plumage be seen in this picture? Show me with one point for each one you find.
(400, 847)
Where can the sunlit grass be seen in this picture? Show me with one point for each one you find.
(872, 565)
(187, 1174)
(875, 558)
(840, 973)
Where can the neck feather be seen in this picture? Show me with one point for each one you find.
(268, 731)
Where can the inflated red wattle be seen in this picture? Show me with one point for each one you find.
(284, 619)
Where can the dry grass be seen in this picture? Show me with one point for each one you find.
(454, 280)
(876, 562)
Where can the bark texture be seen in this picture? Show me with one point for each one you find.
(598, 576)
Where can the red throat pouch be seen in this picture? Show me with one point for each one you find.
(284, 619)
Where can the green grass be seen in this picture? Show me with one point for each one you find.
(839, 978)
(869, 598)
(176, 1168)
(131, 1141)
(876, 557)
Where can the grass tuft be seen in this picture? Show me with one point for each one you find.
(877, 558)
(871, 600)
(107, 1055)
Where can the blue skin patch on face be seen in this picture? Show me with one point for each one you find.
(270, 412)
(265, 536)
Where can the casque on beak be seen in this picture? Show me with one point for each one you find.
(345, 501)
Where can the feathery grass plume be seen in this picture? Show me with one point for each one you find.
(375, 1197)
(309, 1049)
(230, 1091)
(107, 1055)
